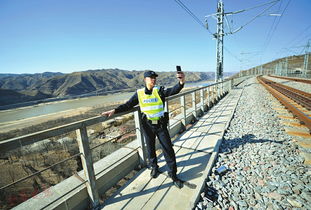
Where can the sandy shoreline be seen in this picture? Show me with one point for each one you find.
(23, 123)
(6, 127)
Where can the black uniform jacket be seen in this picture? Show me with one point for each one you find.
(162, 92)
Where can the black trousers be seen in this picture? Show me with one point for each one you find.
(160, 130)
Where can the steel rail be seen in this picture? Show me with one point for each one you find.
(308, 81)
(305, 119)
(303, 101)
(301, 97)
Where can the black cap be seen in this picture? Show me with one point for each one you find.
(150, 74)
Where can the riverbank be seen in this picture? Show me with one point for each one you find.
(34, 124)
(55, 107)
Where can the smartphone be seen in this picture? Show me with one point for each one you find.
(178, 68)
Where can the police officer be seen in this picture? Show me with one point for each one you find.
(151, 100)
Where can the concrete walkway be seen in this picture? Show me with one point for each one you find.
(196, 150)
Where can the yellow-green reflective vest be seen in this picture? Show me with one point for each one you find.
(151, 105)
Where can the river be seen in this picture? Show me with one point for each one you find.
(53, 107)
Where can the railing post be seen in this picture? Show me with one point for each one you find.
(166, 109)
(194, 106)
(87, 164)
(209, 97)
(226, 85)
(217, 92)
(140, 138)
(183, 109)
(220, 90)
(213, 94)
(202, 99)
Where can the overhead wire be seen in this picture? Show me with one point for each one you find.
(229, 27)
(183, 6)
(269, 36)
(300, 36)
(305, 48)
(244, 10)
(293, 42)
(271, 29)
(278, 22)
(234, 56)
(255, 17)
(304, 38)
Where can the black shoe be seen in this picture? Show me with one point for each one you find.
(154, 172)
(178, 183)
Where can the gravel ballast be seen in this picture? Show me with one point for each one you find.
(263, 166)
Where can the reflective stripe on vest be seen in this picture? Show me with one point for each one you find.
(151, 105)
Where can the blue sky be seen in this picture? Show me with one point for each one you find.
(76, 35)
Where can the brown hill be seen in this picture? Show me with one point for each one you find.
(26, 87)
(12, 97)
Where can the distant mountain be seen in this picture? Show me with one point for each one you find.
(20, 82)
(26, 87)
(44, 74)
(12, 97)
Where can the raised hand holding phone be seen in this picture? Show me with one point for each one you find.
(180, 75)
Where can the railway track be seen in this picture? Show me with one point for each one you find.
(307, 81)
(297, 101)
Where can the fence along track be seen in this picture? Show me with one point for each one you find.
(289, 97)
(308, 81)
